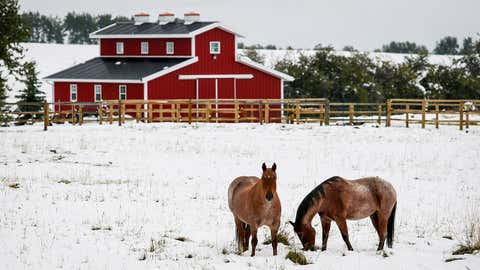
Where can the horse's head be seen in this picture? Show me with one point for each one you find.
(269, 181)
(306, 233)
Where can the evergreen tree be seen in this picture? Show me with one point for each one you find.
(468, 46)
(349, 48)
(271, 47)
(43, 29)
(404, 47)
(31, 92)
(12, 32)
(447, 46)
(78, 27)
(254, 55)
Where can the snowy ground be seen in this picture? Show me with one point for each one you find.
(139, 183)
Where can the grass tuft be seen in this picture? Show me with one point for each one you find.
(182, 239)
(283, 237)
(454, 259)
(470, 242)
(14, 185)
(296, 257)
(64, 181)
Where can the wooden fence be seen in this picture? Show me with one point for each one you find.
(315, 110)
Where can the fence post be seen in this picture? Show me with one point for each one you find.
(436, 115)
(110, 113)
(461, 115)
(150, 112)
(424, 111)
(100, 114)
(137, 112)
(407, 108)
(189, 111)
(80, 115)
(327, 112)
(73, 114)
(297, 113)
(260, 118)
(45, 115)
(379, 106)
(160, 112)
(207, 111)
(267, 113)
(350, 113)
(252, 114)
(389, 113)
(119, 113)
(237, 115)
(467, 118)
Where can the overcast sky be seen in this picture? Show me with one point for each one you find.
(365, 24)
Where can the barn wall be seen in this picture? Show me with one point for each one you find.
(86, 91)
(156, 47)
(168, 86)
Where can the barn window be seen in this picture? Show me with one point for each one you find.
(98, 92)
(73, 92)
(144, 47)
(215, 47)
(122, 89)
(119, 47)
(170, 47)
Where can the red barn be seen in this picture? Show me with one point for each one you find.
(167, 59)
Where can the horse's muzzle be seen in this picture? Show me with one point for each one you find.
(269, 196)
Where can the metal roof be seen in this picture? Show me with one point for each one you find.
(121, 69)
(173, 28)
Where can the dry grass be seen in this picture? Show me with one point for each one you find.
(296, 257)
(182, 239)
(470, 241)
(14, 185)
(283, 237)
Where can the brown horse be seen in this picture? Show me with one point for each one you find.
(254, 202)
(339, 199)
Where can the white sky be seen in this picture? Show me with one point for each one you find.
(365, 24)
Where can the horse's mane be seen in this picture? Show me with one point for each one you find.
(312, 197)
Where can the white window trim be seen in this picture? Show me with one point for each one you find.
(170, 43)
(141, 47)
(120, 91)
(219, 47)
(73, 89)
(121, 49)
(95, 92)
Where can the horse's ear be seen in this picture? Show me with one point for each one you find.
(274, 166)
(264, 167)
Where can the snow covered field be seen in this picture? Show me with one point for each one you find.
(97, 197)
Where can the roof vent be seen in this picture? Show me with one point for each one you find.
(191, 17)
(166, 17)
(141, 18)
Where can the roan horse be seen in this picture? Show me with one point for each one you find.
(339, 199)
(254, 202)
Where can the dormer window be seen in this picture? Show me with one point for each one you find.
(214, 47)
(170, 47)
(119, 47)
(144, 47)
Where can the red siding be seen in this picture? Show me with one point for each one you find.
(85, 91)
(156, 47)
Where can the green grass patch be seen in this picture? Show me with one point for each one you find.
(296, 257)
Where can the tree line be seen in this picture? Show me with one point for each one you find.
(359, 78)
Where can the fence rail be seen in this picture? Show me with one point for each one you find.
(463, 113)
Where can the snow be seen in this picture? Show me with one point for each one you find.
(52, 58)
(142, 182)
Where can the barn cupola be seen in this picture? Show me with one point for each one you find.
(191, 17)
(141, 18)
(166, 17)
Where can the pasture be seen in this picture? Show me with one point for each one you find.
(154, 196)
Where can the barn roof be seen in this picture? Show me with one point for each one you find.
(177, 28)
(120, 69)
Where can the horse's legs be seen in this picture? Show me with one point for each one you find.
(274, 236)
(246, 239)
(374, 219)
(342, 225)
(239, 225)
(382, 229)
(325, 231)
(253, 229)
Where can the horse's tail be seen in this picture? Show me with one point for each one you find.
(391, 226)
(240, 243)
